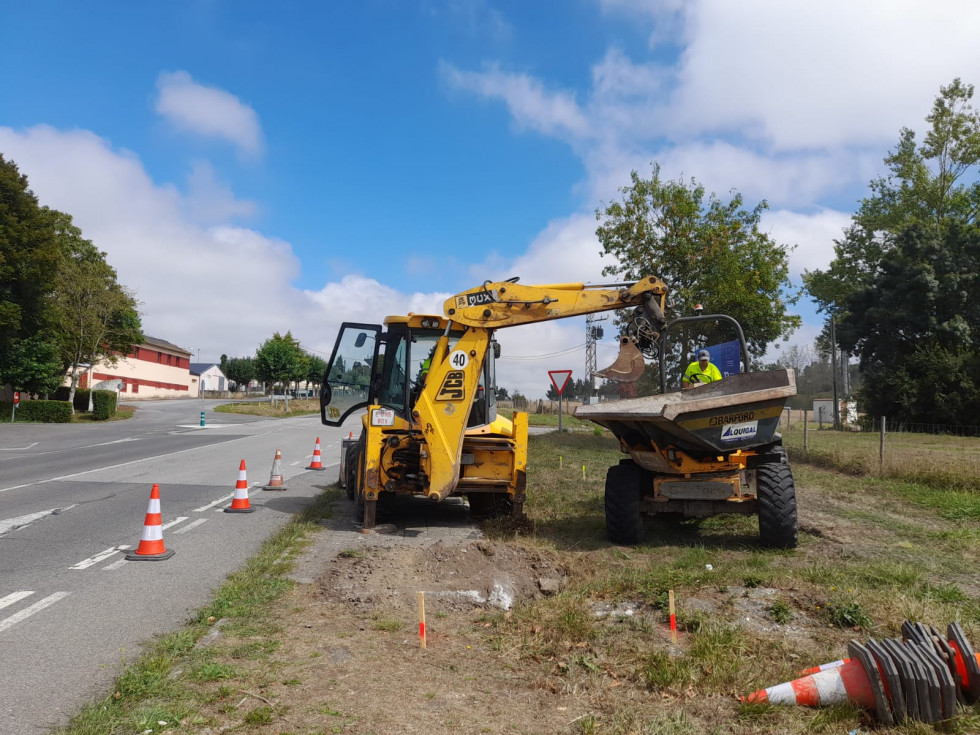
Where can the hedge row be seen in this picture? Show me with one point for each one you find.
(103, 404)
(44, 412)
(81, 397)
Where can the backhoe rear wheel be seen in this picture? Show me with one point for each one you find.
(484, 506)
(625, 484)
(776, 494)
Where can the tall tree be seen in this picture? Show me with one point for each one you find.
(32, 364)
(29, 258)
(316, 368)
(240, 370)
(97, 318)
(926, 185)
(910, 240)
(917, 328)
(279, 360)
(708, 251)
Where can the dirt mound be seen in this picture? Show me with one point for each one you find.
(455, 577)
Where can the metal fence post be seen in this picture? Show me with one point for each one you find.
(881, 448)
(806, 425)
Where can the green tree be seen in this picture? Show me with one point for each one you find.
(97, 319)
(708, 251)
(926, 185)
(32, 364)
(912, 238)
(239, 370)
(917, 328)
(29, 256)
(316, 368)
(279, 360)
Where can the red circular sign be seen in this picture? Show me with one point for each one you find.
(16, 397)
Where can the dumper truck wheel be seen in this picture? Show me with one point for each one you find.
(776, 494)
(625, 484)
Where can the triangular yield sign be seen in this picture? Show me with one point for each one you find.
(559, 378)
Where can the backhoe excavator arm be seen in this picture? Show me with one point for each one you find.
(508, 303)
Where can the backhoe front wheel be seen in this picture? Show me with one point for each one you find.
(776, 494)
(625, 484)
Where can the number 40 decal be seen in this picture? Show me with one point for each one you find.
(459, 359)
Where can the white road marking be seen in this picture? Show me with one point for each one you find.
(98, 469)
(101, 556)
(15, 523)
(115, 565)
(117, 441)
(174, 522)
(18, 449)
(189, 526)
(216, 502)
(28, 611)
(14, 597)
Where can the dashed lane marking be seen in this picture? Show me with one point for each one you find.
(28, 611)
(101, 556)
(14, 597)
(192, 524)
(216, 502)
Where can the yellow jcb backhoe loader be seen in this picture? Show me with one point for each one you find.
(430, 425)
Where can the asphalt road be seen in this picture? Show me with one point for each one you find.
(73, 501)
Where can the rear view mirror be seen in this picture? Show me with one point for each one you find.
(360, 339)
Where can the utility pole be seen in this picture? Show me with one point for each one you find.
(592, 334)
(833, 366)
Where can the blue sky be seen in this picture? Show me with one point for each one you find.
(253, 167)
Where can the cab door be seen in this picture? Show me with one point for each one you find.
(347, 382)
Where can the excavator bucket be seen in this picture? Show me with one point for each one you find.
(629, 365)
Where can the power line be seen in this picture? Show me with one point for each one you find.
(542, 357)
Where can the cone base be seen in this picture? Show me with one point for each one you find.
(133, 556)
(274, 487)
(239, 510)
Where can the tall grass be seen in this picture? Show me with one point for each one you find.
(942, 462)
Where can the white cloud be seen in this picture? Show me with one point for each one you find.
(531, 105)
(813, 234)
(222, 288)
(800, 75)
(207, 111)
(211, 201)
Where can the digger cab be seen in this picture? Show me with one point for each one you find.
(387, 366)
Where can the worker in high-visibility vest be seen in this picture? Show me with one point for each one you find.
(702, 371)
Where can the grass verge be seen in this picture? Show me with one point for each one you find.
(163, 689)
(874, 551)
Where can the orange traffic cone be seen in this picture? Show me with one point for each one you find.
(830, 686)
(239, 503)
(315, 464)
(151, 546)
(275, 479)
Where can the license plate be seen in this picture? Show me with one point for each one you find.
(383, 417)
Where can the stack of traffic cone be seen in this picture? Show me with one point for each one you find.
(275, 479)
(239, 503)
(151, 546)
(316, 464)
(922, 677)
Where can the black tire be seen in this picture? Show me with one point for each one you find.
(484, 506)
(350, 470)
(625, 484)
(778, 527)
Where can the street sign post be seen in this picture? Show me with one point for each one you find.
(13, 411)
(559, 379)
